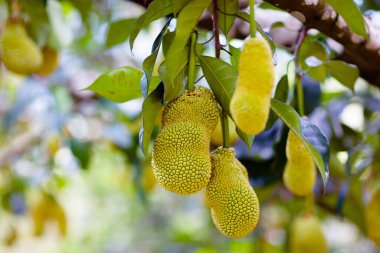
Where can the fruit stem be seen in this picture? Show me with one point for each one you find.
(299, 71)
(225, 130)
(300, 101)
(224, 117)
(252, 22)
(309, 203)
(191, 76)
(216, 28)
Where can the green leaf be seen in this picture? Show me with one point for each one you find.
(222, 77)
(344, 72)
(186, 23)
(82, 151)
(173, 88)
(118, 31)
(282, 89)
(156, 10)
(235, 56)
(167, 41)
(281, 94)
(150, 61)
(248, 139)
(310, 48)
(310, 135)
(119, 84)
(151, 109)
(178, 5)
(245, 16)
(226, 21)
(351, 14)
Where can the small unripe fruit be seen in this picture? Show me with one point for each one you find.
(19, 52)
(306, 235)
(250, 102)
(300, 170)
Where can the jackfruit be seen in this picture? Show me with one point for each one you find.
(50, 61)
(250, 102)
(300, 170)
(181, 161)
(48, 209)
(198, 106)
(19, 52)
(234, 204)
(306, 235)
(373, 218)
(217, 134)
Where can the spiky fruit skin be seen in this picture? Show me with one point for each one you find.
(181, 161)
(19, 52)
(306, 235)
(217, 134)
(373, 218)
(198, 106)
(300, 170)
(250, 102)
(50, 61)
(234, 204)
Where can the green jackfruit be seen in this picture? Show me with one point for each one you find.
(234, 204)
(300, 170)
(306, 235)
(373, 218)
(250, 102)
(19, 52)
(181, 161)
(198, 106)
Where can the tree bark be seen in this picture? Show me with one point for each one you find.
(318, 15)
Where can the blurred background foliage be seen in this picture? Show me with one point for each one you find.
(73, 178)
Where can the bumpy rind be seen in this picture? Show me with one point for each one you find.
(300, 171)
(19, 52)
(198, 106)
(250, 102)
(234, 204)
(373, 218)
(306, 235)
(181, 161)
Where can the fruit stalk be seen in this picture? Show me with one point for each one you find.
(252, 22)
(224, 117)
(191, 77)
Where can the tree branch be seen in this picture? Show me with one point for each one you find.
(318, 15)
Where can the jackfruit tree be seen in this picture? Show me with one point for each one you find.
(211, 120)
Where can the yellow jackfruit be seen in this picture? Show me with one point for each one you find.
(234, 204)
(19, 52)
(50, 61)
(300, 170)
(306, 235)
(250, 102)
(181, 161)
(217, 134)
(373, 218)
(48, 209)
